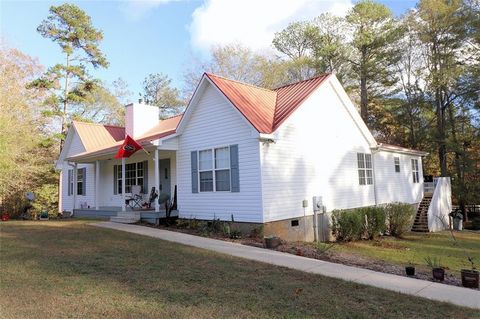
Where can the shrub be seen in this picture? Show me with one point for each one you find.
(400, 218)
(347, 225)
(374, 224)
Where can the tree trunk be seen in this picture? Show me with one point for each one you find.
(363, 88)
(65, 104)
(442, 148)
(458, 166)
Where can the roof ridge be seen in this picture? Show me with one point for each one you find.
(298, 82)
(171, 117)
(240, 82)
(97, 124)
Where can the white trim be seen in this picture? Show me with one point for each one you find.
(157, 178)
(97, 185)
(214, 169)
(124, 208)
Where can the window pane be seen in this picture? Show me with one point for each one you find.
(222, 157)
(222, 180)
(206, 181)
(361, 160)
(368, 160)
(205, 160)
(361, 177)
(369, 177)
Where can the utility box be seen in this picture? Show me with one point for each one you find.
(317, 203)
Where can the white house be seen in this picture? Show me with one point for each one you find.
(257, 155)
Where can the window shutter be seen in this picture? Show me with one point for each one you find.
(234, 169)
(194, 171)
(115, 177)
(145, 177)
(84, 181)
(69, 187)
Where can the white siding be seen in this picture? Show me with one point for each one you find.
(89, 197)
(213, 123)
(315, 154)
(76, 146)
(393, 186)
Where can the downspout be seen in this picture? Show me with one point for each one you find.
(374, 151)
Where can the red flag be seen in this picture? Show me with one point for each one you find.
(128, 147)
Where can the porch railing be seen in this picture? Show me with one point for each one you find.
(429, 187)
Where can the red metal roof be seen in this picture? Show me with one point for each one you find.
(266, 109)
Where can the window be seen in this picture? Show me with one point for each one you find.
(80, 181)
(415, 170)
(133, 176)
(214, 170)
(365, 172)
(397, 164)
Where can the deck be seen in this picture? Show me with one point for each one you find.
(148, 215)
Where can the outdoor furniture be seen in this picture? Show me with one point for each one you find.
(135, 200)
(153, 196)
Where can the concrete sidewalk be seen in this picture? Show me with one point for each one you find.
(416, 287)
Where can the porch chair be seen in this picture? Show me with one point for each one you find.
(135, 200)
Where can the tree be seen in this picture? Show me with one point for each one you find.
(26, 152)
(239, 63)
(157, 90)
(374, 33)
(71, 28)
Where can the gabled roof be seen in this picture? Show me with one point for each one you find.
(164, 128)
(94, 135)
(266, 109)
(400, 149)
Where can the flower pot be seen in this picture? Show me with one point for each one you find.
(438, 273)
(469, 278)
(5, 217)
(410, 270)
(272, 242)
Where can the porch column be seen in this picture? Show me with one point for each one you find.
(75, 184)
(157, 179)
(123, 184)
(97, 185)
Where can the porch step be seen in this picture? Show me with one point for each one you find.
(124, 220)
(129, 217)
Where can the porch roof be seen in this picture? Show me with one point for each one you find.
(163, 129)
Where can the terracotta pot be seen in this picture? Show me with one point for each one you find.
(469, 278)
(438, 273)
(410, 270)
(272, 242)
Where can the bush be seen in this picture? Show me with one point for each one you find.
(400, 218)
(347, 225)
(374, 224)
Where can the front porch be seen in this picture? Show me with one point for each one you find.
(148, 215)
(96, 183)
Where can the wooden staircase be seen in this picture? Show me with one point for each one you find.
(421, 219)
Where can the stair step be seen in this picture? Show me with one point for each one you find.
(124, 220)
(128, 214)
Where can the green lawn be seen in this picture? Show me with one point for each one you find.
(68, 269)
(416, 246)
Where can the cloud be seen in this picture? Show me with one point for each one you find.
(253, 22)
(136, 9)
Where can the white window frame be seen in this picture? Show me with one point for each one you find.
(79, 182)
(214, 169)
(415, 171)
(396, 162)
(367, 180)
(119, 177)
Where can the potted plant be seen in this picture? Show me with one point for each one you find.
(5, 217)
(410, 269)
(272, 242)
(44, 215)
(438, 272)
(470, 276)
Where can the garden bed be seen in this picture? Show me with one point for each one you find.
(391, 254)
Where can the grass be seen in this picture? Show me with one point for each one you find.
(68, 269)
(416, 247)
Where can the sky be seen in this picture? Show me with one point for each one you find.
(165, 36)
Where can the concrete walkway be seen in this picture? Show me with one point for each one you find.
(416, 287)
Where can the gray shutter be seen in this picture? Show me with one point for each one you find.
(145, 177)
(115, 177)
(84, 181)
(194, 172)
(70, 176)
(234, 169)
